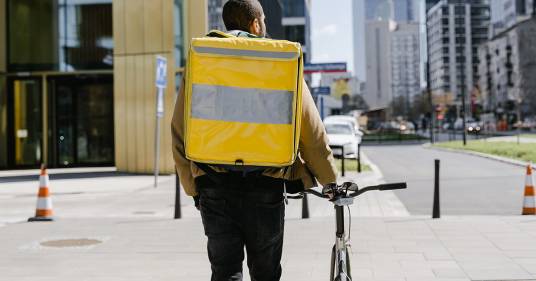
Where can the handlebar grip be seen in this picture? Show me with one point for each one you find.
(392, 186)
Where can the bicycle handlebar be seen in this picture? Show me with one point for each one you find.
(380, 187)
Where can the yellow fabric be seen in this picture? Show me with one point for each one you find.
(315, 161)
(225, 142)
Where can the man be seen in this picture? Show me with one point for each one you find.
(246, 209)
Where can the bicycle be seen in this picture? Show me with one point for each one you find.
(339, 196)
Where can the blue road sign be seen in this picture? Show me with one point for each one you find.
(324, 91)
(161, 72)
(324, 67)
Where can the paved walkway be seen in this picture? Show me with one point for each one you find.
(106, 193)
(411, 248)
(137, 240)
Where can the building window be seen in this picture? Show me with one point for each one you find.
(294, 8)
(178, 30)
(3, 122)
(295, 33)
(64, 35)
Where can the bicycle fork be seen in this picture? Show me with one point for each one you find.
(340, 258)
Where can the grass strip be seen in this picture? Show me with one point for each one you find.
(351, 165)
(522, 151)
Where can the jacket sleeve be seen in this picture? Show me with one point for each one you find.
(182, 164)
(314, 147)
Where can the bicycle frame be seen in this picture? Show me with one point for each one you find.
(340, 257)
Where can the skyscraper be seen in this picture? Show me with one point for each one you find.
(364, 10)
(405, 61)
(392, 60)
(455, 29)
(296, 23)
(506, 13)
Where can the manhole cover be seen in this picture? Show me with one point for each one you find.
(66, 243)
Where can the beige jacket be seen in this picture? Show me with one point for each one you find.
(315, 157)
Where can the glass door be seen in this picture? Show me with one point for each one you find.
(25, 122)
(81, 117)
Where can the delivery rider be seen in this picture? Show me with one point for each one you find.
(242, 206)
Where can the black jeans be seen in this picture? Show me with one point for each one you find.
(248, 213)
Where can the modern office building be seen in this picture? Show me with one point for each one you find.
(273, 10)
(506, 13)
(77, 80)
(378, 54)
(297, 24)
(507, 70)
(405, 61)
(455, 29)
(393, 61)
(430, 3)
(372, 10)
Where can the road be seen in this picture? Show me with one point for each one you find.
(470, 185)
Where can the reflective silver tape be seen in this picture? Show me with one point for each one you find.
(246, 53)
(241, 104)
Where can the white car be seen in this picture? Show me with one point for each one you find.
(341, 133)
(344, 118)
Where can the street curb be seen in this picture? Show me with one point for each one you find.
(482, 155)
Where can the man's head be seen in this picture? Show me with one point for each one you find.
(245, 15)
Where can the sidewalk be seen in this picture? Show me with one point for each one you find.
(136, 239)
(105, 194)
(413, 248)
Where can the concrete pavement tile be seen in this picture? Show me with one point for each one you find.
(498, 274)
(529, 264)
(397, 257)
(520, 254)
(437, 255)
(454, 272)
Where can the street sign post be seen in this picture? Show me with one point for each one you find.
(161, 83)
(324, 67)
(324, 91)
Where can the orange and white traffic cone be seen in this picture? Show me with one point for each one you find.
(529, 208)
(43, 212)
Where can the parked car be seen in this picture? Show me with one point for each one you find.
(342, 133)
(345, 118)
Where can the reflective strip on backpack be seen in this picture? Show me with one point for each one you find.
(246, 105)
(246, 53)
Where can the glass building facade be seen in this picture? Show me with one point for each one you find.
(57, 88)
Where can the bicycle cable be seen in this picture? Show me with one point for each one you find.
(349, 223)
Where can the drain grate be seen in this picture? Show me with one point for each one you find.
(69, 243)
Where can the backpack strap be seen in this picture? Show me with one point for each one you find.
(213, 175)
(233, 33)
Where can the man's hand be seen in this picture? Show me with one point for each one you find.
(196, 202)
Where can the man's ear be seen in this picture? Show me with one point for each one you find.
(255, 27)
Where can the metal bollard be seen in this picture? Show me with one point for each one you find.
(305, 207)
(177, 196)
(359, 157)
(436, 212)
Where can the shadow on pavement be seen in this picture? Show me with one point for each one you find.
(68, 176)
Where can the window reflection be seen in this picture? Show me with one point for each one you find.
(63, 35)
(85, 34)
(178, 33)
(3, 122)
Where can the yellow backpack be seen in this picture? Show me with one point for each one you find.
(243, 101)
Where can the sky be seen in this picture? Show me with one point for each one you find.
(331, 33)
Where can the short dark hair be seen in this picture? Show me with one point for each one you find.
(238, 14)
